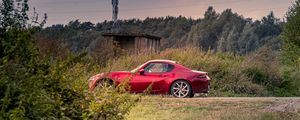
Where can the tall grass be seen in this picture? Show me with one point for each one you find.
(103, 103)
(257, 74)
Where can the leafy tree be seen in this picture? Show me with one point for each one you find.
(210, 14)
(269, 26)
(14, 16)
(74, 24)
(87, 26)
(39, 87)
(291, 35)
(291, 51)
(29, 90)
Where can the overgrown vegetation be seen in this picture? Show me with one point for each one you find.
(291, 49)
(35, 84)
(257, 74)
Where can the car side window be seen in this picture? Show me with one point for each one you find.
(158, 68)
(170, 68)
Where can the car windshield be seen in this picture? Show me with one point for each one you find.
(139, 67)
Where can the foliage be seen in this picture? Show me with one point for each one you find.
(225, 31)
(35, 83)
(291, 50)
(14, 15)
(291, 35)
(111, 103)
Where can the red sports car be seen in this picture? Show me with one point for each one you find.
(164, 76)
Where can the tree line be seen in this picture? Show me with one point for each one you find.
(225, 32)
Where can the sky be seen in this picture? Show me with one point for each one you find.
(63, 11)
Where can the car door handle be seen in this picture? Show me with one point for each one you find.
(163, 75)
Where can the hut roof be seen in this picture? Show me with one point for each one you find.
(131, 35)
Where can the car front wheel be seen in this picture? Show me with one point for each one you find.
(105, 83)
(181, 89)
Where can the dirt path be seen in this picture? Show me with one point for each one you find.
(237, 98)
(281, 104)
(216, 108)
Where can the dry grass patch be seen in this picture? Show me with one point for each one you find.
(164, 108)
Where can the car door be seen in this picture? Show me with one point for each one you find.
(154, 75)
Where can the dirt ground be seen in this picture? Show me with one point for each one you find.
(280, 104)
(217, 108)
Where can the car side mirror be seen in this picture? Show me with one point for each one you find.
(142, 72)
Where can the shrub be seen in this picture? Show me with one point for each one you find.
(37, 83)
(38, 87)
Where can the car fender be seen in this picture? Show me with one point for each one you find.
(94, 79)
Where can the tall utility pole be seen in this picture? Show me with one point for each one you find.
(115, 27)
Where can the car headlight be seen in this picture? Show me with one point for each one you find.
(92, 78)
(95, 77)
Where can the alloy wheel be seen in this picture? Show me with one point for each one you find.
(181, 89)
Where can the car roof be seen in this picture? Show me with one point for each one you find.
(162, 60)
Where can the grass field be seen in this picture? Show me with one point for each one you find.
(223, 108)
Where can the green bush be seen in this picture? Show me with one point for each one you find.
(38, 87)
(290, 55)
(258, 76)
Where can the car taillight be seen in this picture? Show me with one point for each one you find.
(202, 76)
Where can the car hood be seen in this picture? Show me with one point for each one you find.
(113, 74)
(110, 75)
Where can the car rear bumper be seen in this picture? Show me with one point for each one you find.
(201, 85)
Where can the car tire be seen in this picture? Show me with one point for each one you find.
(181, 89)
(192, 95)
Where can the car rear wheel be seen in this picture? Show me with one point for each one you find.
(181, 89)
